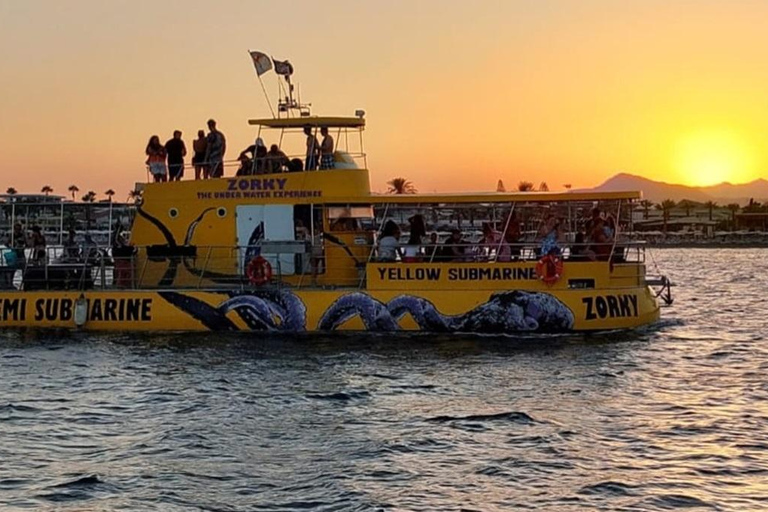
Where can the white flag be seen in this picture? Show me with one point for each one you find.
(261, 62)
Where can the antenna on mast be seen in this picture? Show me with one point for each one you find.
(286, 103)
(289, 103)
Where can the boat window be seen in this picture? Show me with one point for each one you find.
(350, 218)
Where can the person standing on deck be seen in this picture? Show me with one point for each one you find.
(215, 150)
(15, 258)
(198, 159)
(313, 149)
(326, 150)
(156, 159)
(176, 151)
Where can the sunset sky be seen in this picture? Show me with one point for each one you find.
(458, 94)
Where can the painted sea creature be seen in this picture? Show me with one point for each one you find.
(282, 310)
(277, 310)
(504, 312)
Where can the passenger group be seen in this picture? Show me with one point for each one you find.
(594, 241)
(166, 161)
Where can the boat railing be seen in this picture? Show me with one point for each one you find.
(294, 264)
(271, 165)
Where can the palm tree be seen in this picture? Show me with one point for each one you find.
(543, 187)
(134, 195)
(73, 189)
(46, 190)
(525, 186)
(646, 205)
(109, 193)
(734, 208)
(711, 205)
(90, 197)
(666, 207)
(686, 205)
(11, 191)
(400, 186)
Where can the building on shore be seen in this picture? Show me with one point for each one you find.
(56, 215)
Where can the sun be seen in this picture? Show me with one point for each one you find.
(709, 157)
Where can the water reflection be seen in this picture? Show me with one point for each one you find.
(669, 416)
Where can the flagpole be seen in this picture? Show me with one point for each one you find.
(264, 89)
(267, 96)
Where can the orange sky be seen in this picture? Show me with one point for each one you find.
(457, 94)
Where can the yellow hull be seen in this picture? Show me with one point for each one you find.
(287, 310)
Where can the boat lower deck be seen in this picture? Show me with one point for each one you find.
(316, 310)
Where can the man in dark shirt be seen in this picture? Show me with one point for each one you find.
(214, 153)
(176, 151)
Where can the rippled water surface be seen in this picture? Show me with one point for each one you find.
(672, 416)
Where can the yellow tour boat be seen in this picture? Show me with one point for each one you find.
(281, 248)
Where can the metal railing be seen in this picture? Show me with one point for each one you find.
(293, 263)
(271, 164)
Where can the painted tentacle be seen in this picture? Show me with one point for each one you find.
(258, 313)
(261, 310)
(210, 316)
(193, 225)
(169, 239)
(372, 312)
(424, 313)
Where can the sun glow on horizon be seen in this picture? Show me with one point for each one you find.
(711, 157)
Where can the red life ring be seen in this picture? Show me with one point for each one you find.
(549, 269)
(259, 271)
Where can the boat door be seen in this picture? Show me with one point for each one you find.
(257, 224)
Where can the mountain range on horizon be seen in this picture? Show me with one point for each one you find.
(658, 191)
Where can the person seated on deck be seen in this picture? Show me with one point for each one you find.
(37, 242)
(433, 248)
(412, 251)
(492, 241)
(250, 164)
(277, 161)
(579, 249)
(600, 244)
(71, 248)
(596, 216)
(389, 243)
(453, 248)
(512, 235)
(295, 165)
(610, 227)
(550, 236)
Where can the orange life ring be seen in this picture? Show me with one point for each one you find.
(259, 271)
(549, 269)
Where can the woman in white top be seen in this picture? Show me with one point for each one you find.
(412, 251)
(389, 243)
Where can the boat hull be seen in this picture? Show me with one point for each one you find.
(293, 311)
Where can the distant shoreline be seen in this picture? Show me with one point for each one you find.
(708, 245)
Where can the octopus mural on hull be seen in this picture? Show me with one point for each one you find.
(504, 312)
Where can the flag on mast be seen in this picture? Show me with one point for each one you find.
(283, 67)
(261, 62)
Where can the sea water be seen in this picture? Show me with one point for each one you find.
(675, 415)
